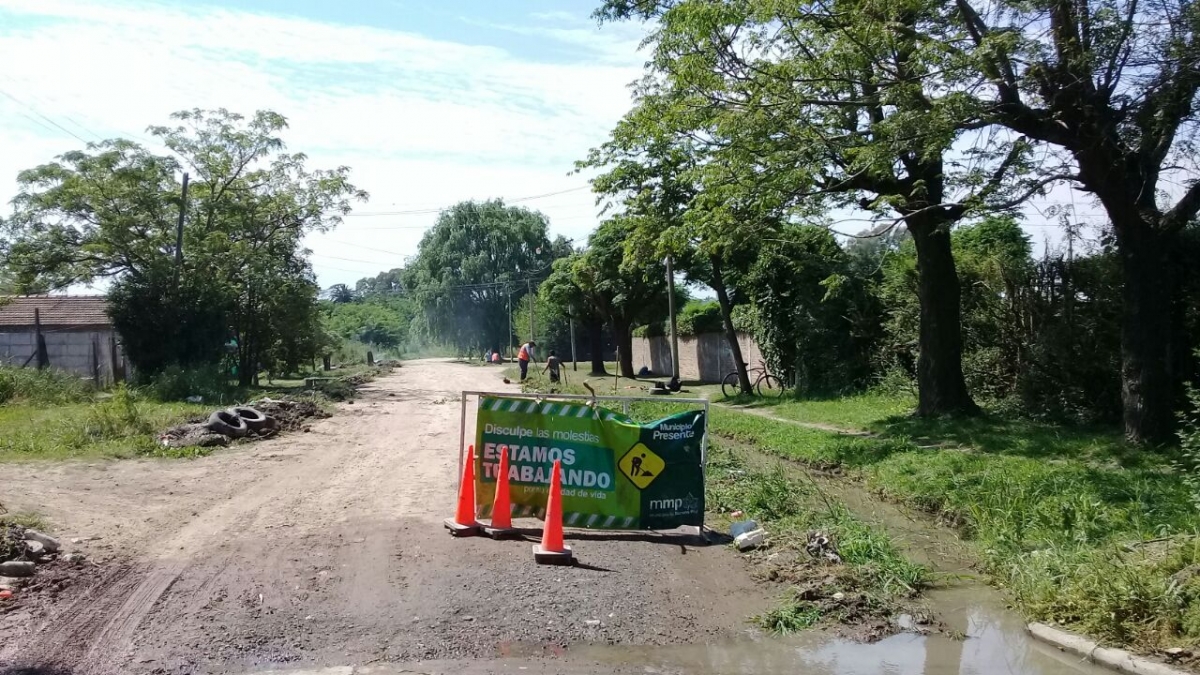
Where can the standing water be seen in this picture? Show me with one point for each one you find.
(995, 641)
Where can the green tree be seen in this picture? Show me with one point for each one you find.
(563, 297)
(1114, 84)
(656, 176)
(340, 293)
(801, 108)
(815, 318)
(994, 266)
(625, 294)
(111, 212)
(391, 281)
(476, 262)
(381, 320)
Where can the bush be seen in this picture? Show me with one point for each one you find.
(117, 417)
(699, 317)
(50, 386)
(1189, 446)
(176, 383)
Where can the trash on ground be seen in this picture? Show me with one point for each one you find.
(750, 540)
(741, 527)
(819, 545)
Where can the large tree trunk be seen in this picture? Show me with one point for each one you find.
(739, 363)
(623, 334)
(941, 387)
(596, 338)
(1149, 378)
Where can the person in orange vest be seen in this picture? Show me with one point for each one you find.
(524, 356)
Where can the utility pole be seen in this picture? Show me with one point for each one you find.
(529, 285)
(179, 229)
(674, 327)
(574, 361)
(510, 344)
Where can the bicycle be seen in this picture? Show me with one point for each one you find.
(765, 384)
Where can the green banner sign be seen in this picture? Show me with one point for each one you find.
(616, 474)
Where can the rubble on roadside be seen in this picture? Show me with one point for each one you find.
(260, 419)
(290, 415)
(22, 549)
(33, 563)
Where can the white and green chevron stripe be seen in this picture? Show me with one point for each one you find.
(560, 408)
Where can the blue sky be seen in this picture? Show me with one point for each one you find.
(428, 103)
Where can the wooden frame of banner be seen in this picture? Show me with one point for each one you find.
(625, 401)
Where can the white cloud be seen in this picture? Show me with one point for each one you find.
(422, 122)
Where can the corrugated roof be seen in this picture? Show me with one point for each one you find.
(58, 311)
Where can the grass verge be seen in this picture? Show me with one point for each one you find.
(873, 582)
(1083, 532)
(123, 425)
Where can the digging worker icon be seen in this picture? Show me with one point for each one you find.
(636, 466)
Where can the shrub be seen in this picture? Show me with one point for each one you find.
(117, 417)
(176, 383)
(50, 386)
(1188, 464)
(700, 316)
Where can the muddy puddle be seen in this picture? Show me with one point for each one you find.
(995, 643)
(994, 639)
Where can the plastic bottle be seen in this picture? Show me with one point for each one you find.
(741, 527)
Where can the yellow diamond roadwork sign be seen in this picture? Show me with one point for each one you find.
(641, 466)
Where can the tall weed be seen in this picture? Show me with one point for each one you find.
(49, 386)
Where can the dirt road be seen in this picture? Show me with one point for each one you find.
(327, 548)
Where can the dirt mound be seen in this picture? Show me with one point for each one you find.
(189, 435)
(291, 415)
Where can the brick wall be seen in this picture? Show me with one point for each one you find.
(702, 358)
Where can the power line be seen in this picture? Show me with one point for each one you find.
(369, 248)
(34, 110)
(427, 211)
(357, 260)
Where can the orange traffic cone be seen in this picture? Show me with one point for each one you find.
(463, 524)
(552, 550)
(501, 525)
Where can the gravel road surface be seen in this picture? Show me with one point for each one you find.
(326, 549)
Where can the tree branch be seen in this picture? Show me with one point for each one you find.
(1186, 209)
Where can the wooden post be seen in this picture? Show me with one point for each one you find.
(529, 285)
(117, 372)
(95, 361)
(43, 356)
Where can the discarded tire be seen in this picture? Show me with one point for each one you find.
(255, 420)
(227, 423)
